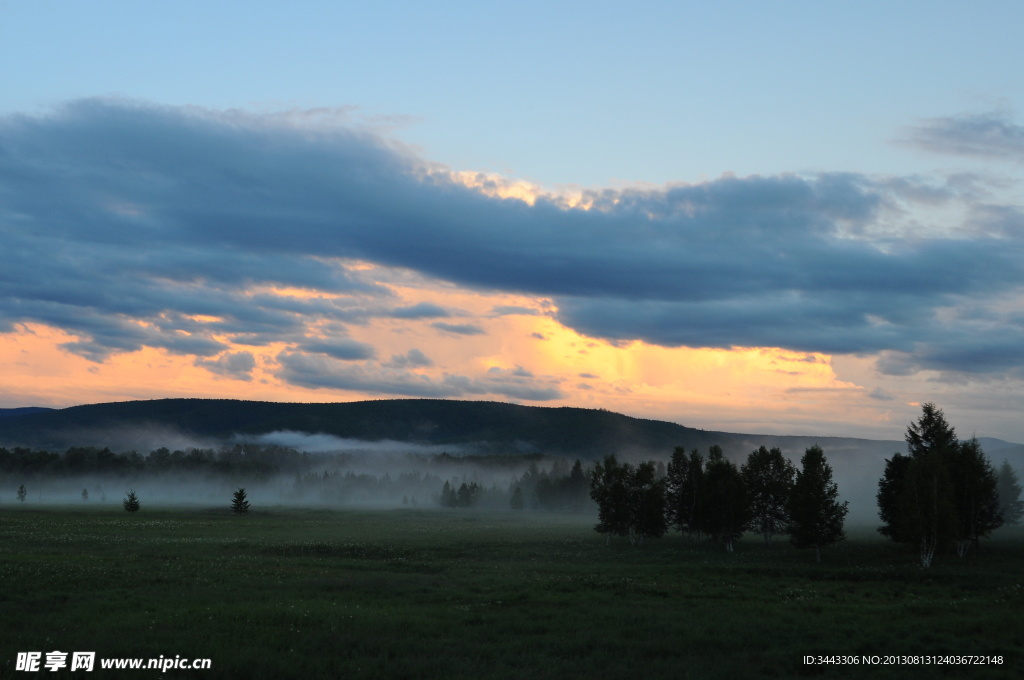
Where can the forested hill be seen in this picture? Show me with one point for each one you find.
(24, 411)
(499, 427)
(491, 426)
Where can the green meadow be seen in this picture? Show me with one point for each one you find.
(307, 593)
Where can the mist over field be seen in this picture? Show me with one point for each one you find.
(384, 454)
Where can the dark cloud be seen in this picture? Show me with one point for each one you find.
(423, 310)
(985, 135)
(458, 328)
(512, 310)
(130, 225)
(322, 372)
(414, 358)
(237, 365)
(343, 348)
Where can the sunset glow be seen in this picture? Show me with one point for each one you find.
(591, 212)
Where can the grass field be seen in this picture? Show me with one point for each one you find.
(292, 593)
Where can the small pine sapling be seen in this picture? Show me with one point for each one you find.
(239, 504)
(131, 502)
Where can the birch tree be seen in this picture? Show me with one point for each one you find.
(768, 478)
(684, 485)
(944, 493)
(816, 515)
(725, 512)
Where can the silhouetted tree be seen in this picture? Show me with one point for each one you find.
(646, 496)
(684, 481)
(609, 490)
(815, 514)
(449, 498)
(131, 502)
(724, 509)
(1009, 490)
(22, 493)
(890, 487)
(630, 500)
(467, 495)
(768, 478)
(943, 493)
(239, 504)
(85, 494)
(577, 487)
(976, 495)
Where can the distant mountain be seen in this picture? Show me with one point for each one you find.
(495, 427)
(464, 426)
(16, 412)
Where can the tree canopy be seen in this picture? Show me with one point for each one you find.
(630, 500)
(768, 477)
(942, 494)
(815, 513)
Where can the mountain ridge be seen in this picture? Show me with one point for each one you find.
(495, 427)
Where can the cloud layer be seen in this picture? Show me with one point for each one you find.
(203, 233)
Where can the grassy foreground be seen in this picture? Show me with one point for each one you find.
(291, 593)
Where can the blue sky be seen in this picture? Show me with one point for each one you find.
(591, 93)
(776, 217)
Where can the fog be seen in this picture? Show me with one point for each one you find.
(279, 468)
(289, 468)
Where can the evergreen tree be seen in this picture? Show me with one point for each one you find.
(467, 495)
(889, 488)
(768, 477)
(22, 493)
(85, 494)
(131, 502)
(577, 487)
(449, 499)
(609, 490)
(815, 514)
(1009, 489)
(516, 502)
(239, 504)
(724, 509)
(942, 494)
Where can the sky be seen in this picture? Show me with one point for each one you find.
(784, 218)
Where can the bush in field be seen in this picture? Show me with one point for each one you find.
(239, 504)
(131, 502)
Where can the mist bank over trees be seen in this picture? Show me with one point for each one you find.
(392, 477)
(386, 439)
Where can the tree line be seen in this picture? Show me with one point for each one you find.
(713, 498)
(943, 494)
(255, 460)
